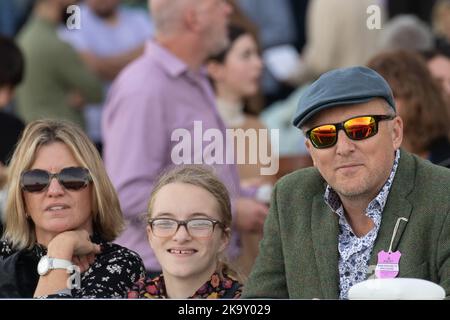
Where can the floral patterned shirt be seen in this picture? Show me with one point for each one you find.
(354, 252)
(112, 274)
(214, 288)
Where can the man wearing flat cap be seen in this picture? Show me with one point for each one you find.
(366, 209)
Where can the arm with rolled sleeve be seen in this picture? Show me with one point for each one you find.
(268, 278)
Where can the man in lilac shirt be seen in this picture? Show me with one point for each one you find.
(165, 90)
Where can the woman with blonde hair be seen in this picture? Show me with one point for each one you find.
(189, 227)
(62, 213)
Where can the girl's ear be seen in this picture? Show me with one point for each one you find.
(226, 235)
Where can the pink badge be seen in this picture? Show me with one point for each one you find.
(387, 265)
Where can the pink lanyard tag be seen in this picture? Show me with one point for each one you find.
(387, 265)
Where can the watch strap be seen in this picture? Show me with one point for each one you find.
(56, 263)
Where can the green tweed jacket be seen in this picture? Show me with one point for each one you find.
(299, 252)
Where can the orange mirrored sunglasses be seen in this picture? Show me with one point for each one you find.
(356, 128)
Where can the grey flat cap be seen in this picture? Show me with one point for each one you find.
(342, 87)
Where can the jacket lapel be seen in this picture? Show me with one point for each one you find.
(397, 206)
(325, 231)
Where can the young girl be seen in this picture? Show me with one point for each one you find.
(189, 225)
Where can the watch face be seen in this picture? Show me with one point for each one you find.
(43, 265)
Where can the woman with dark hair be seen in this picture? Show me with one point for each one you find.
(235, 73)
(420, 102)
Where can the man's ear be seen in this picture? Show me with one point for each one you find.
(397, 132)
(310, 148)
(191, 19)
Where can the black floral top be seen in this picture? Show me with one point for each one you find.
(112, 274)
(214, 288)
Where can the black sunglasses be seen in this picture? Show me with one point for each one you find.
(72, 178)
(356, 128)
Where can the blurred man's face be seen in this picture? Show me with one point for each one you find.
(103, 8)
(215, 15)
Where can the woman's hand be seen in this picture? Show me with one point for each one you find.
(69, 245)
(75, 246)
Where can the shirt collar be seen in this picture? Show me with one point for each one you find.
(333, 201)
(173, 65)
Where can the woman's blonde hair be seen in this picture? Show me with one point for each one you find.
(107, 216)
(202, 177)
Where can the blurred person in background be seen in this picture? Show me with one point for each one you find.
(439, 65)
(276, 27)
(111, 36)
(420, 102)
(235, 74)
(337, 36)
(57, 84)
(13, 14)
(11, 74)
(406, 32)
(441, 23)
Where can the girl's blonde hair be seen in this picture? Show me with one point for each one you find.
(107, 216)
(203, 177)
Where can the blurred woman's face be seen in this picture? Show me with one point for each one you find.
(183, 255)
(439, 67)
(241, 71)
(57, 209)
